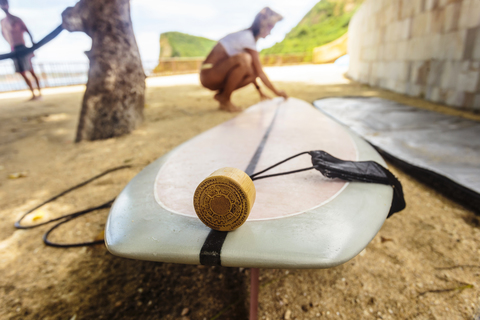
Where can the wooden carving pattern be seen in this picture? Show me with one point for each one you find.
(222, 203)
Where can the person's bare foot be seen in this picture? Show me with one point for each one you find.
(226, 104)
(230, 107)
(32, 98)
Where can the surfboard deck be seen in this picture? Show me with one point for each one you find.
(303, 220)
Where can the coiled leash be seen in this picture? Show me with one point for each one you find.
(65, 218)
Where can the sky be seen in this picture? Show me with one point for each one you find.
(207, 18)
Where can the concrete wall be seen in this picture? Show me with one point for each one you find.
(422, 48)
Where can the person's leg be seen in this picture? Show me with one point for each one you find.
(239, 76)
(249, 78)
(38, 82)
(23, 74)
(214, 78)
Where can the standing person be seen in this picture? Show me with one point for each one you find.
(234, 61)
(13, 30)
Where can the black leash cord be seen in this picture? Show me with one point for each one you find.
(255, 176)
(71, 216)
(281, 174)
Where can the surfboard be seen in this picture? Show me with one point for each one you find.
(302, 220)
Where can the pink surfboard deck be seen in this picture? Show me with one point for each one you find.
(303, 220)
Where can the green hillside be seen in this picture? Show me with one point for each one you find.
(177, 44)
(325, 22)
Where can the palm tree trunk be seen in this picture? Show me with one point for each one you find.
(114, 99)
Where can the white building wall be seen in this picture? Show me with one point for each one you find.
(422, 48)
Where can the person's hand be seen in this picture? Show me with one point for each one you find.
(283, 94)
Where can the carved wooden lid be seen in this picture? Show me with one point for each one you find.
(224, 199)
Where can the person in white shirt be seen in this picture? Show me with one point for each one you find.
(234, 61)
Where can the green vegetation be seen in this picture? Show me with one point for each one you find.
(325, 22)
(177, 44)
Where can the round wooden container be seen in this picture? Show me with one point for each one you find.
(224, 199)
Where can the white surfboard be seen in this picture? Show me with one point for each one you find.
(303, 220)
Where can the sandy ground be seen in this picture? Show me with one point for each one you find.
(423, 264)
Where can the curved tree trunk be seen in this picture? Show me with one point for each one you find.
(114, 99)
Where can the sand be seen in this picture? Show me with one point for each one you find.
(423, 264)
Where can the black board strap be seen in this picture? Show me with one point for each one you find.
(210, 253)
(23, 52)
